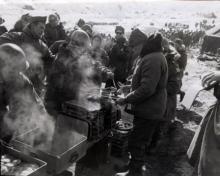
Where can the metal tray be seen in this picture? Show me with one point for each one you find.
(69, 144)
(26, 158)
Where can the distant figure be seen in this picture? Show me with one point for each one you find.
(88, 29)
(119, 32)
(21, 23)
(54, 30)
(81, 23)
(97, 51)
(180, 47)
(119, 59)
(3, 29)
(174, 81)
(182, 62)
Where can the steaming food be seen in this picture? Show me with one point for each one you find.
(93, 98)
(121, 125)
(13, 166)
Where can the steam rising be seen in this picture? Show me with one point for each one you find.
(88, 86)
(26, 110)
(27, 113)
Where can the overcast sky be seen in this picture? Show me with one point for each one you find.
(73, 1)
(80, 1)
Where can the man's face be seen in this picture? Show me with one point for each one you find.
(38, 29)
(53, 21)
(119, 34)
(96, 43)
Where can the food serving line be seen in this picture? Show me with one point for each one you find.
(78, 127)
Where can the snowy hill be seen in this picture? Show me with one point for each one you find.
(128, 14)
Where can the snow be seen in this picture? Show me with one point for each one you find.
(128, 14)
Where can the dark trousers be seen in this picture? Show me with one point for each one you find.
(96, 156)
(139, 139)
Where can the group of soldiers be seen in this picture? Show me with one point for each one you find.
(41, 59)
(190, 38)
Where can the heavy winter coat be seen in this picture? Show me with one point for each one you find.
(3, 29)
(210, 153)
(67, 75)
(53, 34)
(34, 48)
(149, 83)
(19, 95)
(173, 86)
(63, 80)
(26, 40)
(119, 58)
(101, 55)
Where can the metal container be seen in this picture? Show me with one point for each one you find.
(119, 138)
(68, 144)
(101, 118)
(25, 158)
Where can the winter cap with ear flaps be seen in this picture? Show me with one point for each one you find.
(152, 44)
(53, 16)
(34, 19)
(97, 36)
(81, 22)
(137, 37)
(80, 37)
(119, 28)
(87, 27)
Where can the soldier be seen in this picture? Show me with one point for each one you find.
(54, 30)
(3, 29)
(21, 23)
(148, 98)
(72, 60)
(16, 91)
(182, 62)
(37, 52)
(88, 29)
(97, 51)
(119, 32)
(136, 41)
(119, 59)
(174, 80)
(173, 86)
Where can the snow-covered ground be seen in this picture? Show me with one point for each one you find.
(128, 14)
(195, 71)
(132, 14)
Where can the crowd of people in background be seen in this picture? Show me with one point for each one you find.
(153, 66)
(190, 38)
